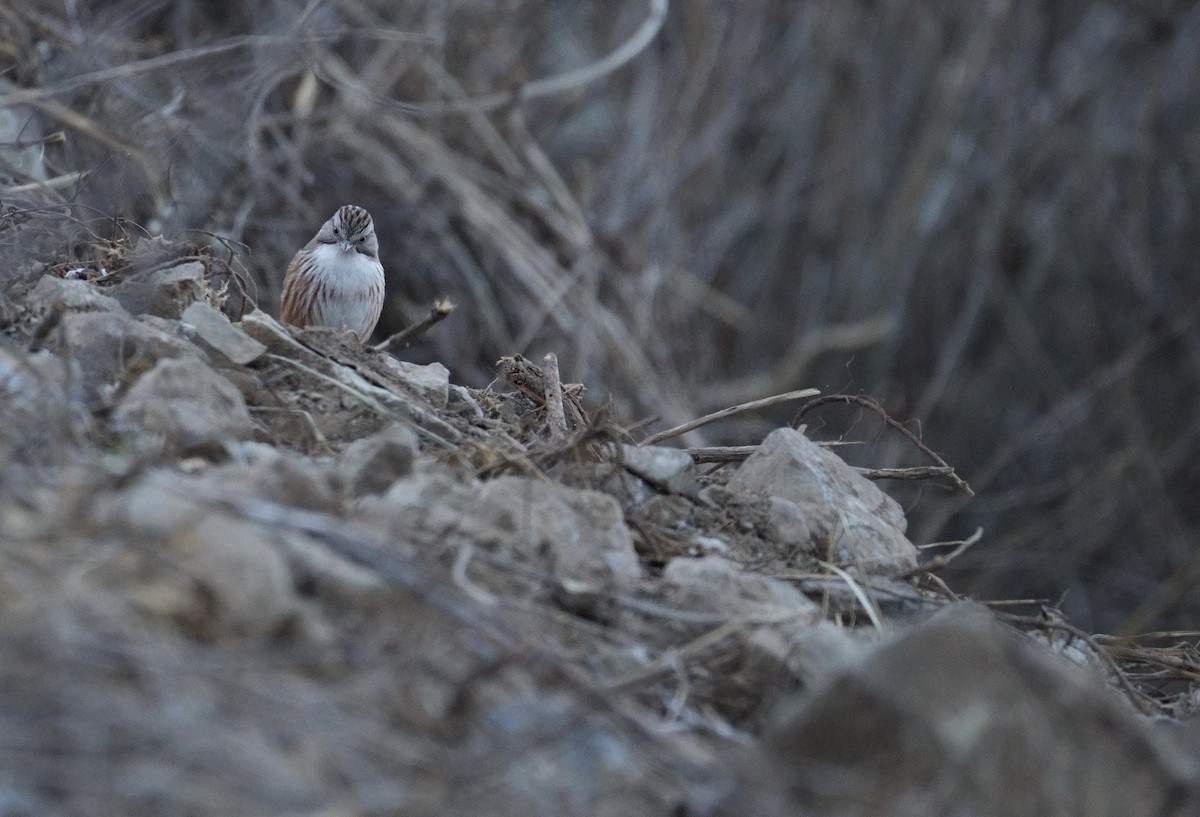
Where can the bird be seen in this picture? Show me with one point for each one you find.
(336, 280)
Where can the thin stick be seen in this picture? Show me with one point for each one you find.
(753, 405)
(721, 453)
(556, 416)
(441, 308)
(738, 453)
(868, 403)
(916, 472)
(938, 562)
(64, 180)
(868, 603)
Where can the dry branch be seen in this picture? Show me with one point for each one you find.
(870, 404)
(753, 405)
(437, 313)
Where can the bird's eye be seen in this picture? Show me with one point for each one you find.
(335, 230)
(361, 239)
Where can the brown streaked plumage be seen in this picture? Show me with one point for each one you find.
(336, 280)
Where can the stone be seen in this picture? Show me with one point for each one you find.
(963, 716)
(43, 411)
(187, 562)
(781, 641)
(818, 502)
(578, 537)
(718, 585)
(76, 296)
(217, 333)
(276, 475)
(188, 404)
(279, 341)
(162, 292)
(110, 347)
(371, 465)
(430, 382)
(669, 469)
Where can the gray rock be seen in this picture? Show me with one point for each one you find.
(782, 640)
(279, 341)
(817, 501)
(963, 716)
(188, 404)
(371, 465)
(217, 333)
(110, 346)
(580, 535)
(184, 560)
(162, 292)
(430, 382)
(670, 469)
(721, 586)
(77, 296)
(577, 537)
(44, 416)
(276, 475)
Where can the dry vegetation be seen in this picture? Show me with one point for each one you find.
(983, 215)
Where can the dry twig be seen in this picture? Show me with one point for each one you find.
(442, 307)
(870, 404)
(937, 563)
(753, 405)
(556, 416)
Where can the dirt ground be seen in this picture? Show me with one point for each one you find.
(249, 570)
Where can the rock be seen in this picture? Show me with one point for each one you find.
(962, 716)
(218, 334)
(10, 313)
(189, 405)
(162, 292)
(430, 382)
(669, 469)
(274, 335)
(42, 407)
(111, 347)
(372, 464)
(76, 296)
(780, 641)
(326, 575)
(578, 537)
(275, 475)
(721, 586)
(186, 561)
(816, 500)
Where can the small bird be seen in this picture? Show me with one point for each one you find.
(337, 280)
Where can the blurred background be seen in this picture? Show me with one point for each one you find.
(982, 214)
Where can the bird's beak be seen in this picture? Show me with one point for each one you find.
(344, 245)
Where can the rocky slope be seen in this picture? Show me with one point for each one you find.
(252, 571)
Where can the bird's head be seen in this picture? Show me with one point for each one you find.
(352, 230)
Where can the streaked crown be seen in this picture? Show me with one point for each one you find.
(352, 221)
